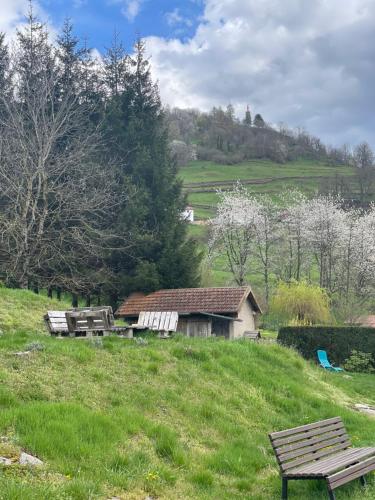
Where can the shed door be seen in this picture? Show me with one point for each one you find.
(198, 328)
(221, 327)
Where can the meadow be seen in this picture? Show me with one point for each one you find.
(260, 177)
(183, 418)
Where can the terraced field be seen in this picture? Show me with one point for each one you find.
(202, 180)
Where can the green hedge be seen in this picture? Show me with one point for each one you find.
(337, 341)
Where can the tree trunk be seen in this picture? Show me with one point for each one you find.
(74, 300)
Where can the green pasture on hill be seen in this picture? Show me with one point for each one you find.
(265, 177)
(207, 171)
(177, 419)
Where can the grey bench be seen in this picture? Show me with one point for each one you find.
(321, 450)
(84, 321)
(252, 335)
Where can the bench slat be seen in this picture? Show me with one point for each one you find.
(314, 456)
(351, 473)
(310, 441)
(325, 467)
(56, 314)
(315, 432)
(313, 447)
(302, 428)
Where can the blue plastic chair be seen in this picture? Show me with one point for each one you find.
(324, 362)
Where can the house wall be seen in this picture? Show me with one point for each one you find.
(248, 323)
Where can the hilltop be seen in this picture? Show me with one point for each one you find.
(184, 418)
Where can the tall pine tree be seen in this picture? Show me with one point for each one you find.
(69, 55)
(138, 139)
(115, 67)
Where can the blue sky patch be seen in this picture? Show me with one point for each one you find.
(96, 20)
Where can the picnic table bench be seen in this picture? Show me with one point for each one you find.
(252, 335)
(85, 320)
(321, 450)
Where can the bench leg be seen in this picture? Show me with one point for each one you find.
(331, 494)
(284, 489)
(363, 481)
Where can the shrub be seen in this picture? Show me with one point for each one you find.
(361, 362)
(339, 342)
(300, 303)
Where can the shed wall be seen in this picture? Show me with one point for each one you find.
(246, 313)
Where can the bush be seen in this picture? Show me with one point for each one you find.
(300, 303)
(339, 342)
(361, 362)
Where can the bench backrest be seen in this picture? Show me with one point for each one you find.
(161, 321)
(56, 321)
(107, 309)
(307, 443)
(87, 320)
(252, 335)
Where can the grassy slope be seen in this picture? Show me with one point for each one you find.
(23, 310)
(186, 418)
(276, 178)
(207, 171)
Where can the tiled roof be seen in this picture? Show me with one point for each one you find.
(189, 300)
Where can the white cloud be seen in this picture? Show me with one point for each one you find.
(175, 18)
(305, 62)
(79, 3)
(13, 12)
(131, 9)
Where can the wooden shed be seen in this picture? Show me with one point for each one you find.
(226, 311)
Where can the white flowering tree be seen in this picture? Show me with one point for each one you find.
(267, 233)
(233, 231)
(291, 256)
(324, 224)
(245, 230)
(295, 239)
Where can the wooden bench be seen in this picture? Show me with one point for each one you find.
(163, 322)
(88, 322)
(84, 321)
(56, 322)
(321, 450)
(252, 335)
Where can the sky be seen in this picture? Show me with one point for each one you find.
(306, 63)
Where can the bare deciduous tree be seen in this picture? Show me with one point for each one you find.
(57, 201)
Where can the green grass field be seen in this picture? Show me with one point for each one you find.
(207, 171)
(260, 176)
(177, 419)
